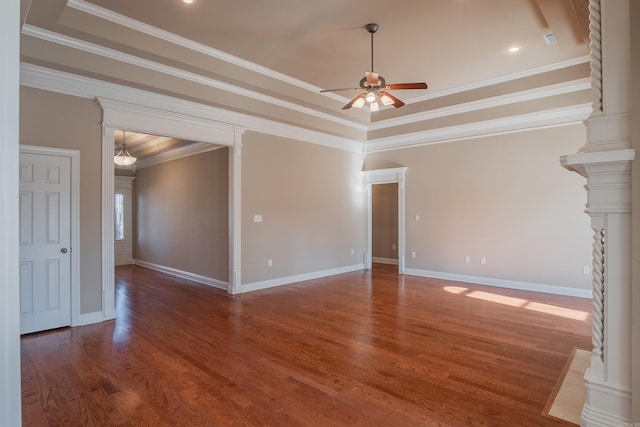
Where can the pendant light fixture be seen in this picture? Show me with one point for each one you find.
(123, 158)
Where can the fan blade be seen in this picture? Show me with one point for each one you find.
(396, 102)
(400, 86)
(372, 78)
(353, 101)
(336, 90)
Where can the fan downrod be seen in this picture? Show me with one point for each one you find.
(372, 28)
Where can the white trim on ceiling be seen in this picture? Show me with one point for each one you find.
(504, 79)
(71, 84)
(523, 122)
(105, 52)
(139, 26)
(142, 27)
(512, 98)
(495, 101)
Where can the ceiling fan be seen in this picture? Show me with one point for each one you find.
(375, 87)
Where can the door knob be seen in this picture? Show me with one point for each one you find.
(64, 250)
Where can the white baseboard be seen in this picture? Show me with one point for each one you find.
(265, 284)
(184, 274)
(501, 283)
(91, 318)
(384, 260)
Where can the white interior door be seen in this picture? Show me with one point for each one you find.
(123, 245)
(45, 238)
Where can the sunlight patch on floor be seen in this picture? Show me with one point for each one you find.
(557, 311)
(500, 299)
(455, 289)
(519, 302)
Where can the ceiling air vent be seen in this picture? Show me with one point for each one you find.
(550, 38)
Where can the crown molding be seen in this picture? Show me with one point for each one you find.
(496, 101)
(531, 94)
(184, 42)
(523, 122)
(105, 52)
(490, 82)
(504, 79)
(139, 26)
(71, 84)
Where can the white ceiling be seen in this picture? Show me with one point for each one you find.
(270, 58)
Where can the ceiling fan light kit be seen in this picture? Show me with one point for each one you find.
(375, 86)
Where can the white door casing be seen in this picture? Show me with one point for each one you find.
(386, 176)
(123, 247)
(178, 120)
(45, 242)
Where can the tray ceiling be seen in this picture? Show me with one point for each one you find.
(269, 59)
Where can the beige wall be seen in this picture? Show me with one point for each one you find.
(55, 120)
(384, 221)
(312, 204)
(183, 216)
(503, 197)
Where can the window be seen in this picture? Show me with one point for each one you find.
(119, 216)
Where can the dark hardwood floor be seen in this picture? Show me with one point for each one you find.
(363, 348)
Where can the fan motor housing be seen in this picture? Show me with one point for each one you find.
(372, 28)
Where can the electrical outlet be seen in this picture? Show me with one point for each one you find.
(467, 259)
(413, 254)
(352, 251)
(483, 260)
(393, 247)
(586, 269)
(417, 217)
(257, 218)
(269, 263)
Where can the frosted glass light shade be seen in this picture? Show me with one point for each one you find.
(123, 158)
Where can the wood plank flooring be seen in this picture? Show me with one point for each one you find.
(368, 348)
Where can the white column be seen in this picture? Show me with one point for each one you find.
(368, 189)
(9, 290)
(605, 161)
(235, 213)
(108, 257)
(402, 241)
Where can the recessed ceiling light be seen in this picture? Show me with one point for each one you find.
(189, 1)
(514, 49)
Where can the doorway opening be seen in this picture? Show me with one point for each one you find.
(384, 223)
(185, 125)
(394, 176)
(171, 208)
